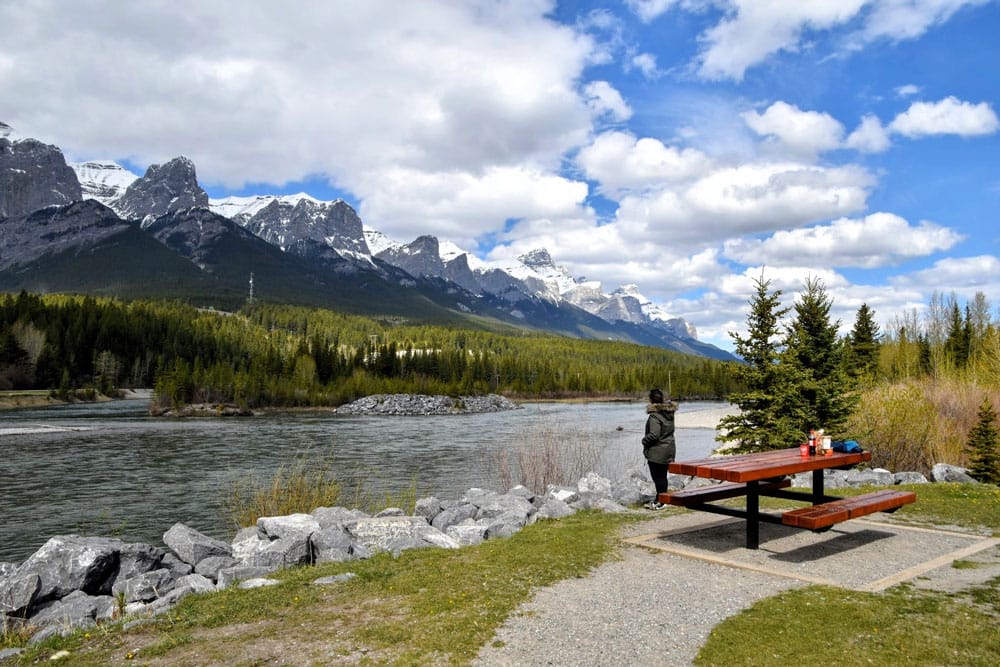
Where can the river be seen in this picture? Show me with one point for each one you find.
(110, 469)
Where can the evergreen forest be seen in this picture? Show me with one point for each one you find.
(286, 356)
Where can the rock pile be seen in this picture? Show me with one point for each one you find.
(420, 404)
(75, 582)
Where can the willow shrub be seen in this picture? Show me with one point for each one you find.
(300, 486)
(913, 425)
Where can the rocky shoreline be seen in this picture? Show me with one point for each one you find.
(423, 404)
(75, 582)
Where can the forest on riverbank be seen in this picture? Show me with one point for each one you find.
(276, 355)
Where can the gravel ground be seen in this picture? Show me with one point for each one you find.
(657, 608)
(646, 609)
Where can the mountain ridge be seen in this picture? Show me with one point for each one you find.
(333, 250)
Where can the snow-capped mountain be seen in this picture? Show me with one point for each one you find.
(331, 230)
(103, 180)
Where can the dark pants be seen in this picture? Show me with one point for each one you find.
(658, 471)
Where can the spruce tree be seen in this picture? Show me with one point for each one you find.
(984, 446)
(769, 414)
(863, 345)
(812, 346)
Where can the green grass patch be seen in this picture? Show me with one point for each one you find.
(830, 626)
(428, 606)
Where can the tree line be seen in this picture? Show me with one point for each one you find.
(279, 355)
(800, 375)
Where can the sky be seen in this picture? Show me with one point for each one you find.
(689, 147)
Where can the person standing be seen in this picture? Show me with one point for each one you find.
(658, 444)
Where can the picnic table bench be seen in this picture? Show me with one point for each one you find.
(765, 474)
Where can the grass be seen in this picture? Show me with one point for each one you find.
(428, 606)
(438, 607)
(831, 626)
(300, 486)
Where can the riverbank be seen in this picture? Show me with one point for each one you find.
(19, 399)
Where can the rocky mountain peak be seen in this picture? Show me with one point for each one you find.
(162, 189)
(33, 175)
(103, 180)
(5, 130)
(539, 258)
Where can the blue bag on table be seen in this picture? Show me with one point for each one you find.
(846, 446)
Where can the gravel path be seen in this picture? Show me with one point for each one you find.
(645, 609)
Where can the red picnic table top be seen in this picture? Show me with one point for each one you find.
(764, 465)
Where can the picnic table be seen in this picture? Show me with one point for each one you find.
(766, 474)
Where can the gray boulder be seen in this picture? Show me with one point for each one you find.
(332, 545)
(504, 525)
(467, 533)
(69, 563)
(523, 492)
(18, 593)
(334, 579)
(943, 472)
(209, 567)
(909, 478)
(196, 582)
(231, 575)
(449, 516)
(336, 516)
(192, 546)
(428, 508)
(873, 477)
(292, 525)
(392, 533)
(258, 582)
(75, 611)
(567, 494)
(7, 569)
(145, 587)
(506, 504)
(479, 497)
(593, 483)
(281, 553)
(610, 506)
(553, 508)
(136, 558)
(177, 567)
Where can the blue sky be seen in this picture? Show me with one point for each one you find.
(686, 146)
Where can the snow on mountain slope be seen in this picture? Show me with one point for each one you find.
(103, 180)
(243, 208)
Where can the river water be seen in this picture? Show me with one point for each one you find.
(110, 469)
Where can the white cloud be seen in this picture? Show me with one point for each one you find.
(262, 92)
(620, 162)
(879, 239)
(647, 10)
(869, 137)
(603, 99)
(907, 19)
(947, 116)
(907, 90)
(801, 133)
(460, 207)
(645, 63)
(747, 199)
(752, 31)
(963, 275)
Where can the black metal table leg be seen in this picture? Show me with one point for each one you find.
(817, 494)
(753, 515)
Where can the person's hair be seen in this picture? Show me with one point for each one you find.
(655, 396)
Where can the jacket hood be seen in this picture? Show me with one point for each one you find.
(669, 406)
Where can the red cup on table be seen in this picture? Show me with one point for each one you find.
(804, 449)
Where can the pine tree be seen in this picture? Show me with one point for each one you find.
(769, 416)
(863, 345)
(813, 347)
(984, 446)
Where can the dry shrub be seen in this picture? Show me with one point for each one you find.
(915, 424)
(301, 486)
(545, 459)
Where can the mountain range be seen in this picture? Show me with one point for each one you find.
(95, 227)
